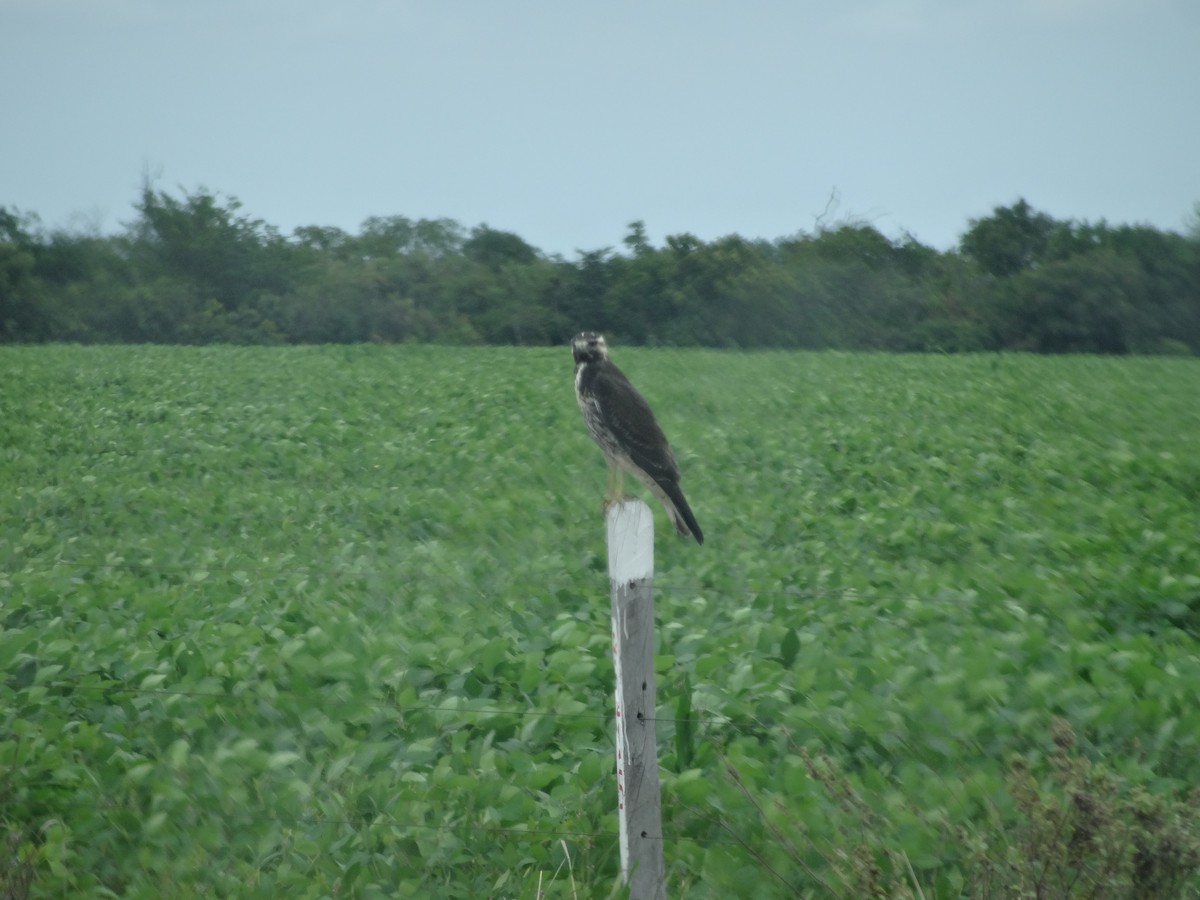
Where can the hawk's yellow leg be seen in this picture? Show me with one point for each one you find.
(615, 492)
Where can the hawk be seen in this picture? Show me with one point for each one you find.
(620, 421)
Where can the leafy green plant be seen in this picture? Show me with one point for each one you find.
(334, 620)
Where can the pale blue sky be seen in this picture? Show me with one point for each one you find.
(563, 121)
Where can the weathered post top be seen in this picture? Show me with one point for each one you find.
(630, 541)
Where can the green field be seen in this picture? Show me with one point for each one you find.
(330, 622)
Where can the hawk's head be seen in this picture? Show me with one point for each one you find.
(589, 347)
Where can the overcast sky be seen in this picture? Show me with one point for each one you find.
(563, 121)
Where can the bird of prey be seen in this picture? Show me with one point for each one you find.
(620, 421)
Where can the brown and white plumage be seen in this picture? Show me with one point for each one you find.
(622, 424)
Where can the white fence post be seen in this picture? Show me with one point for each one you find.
(631, 577)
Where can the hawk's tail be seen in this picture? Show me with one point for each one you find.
(681, 514)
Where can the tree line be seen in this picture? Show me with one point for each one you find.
(193, 268)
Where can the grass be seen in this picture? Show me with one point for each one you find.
(334, 622)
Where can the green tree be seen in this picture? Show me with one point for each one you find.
(638, 299)
(1166, 310)
(498, 249)
(1011, 240)
(193, 268)
(382, 237)
(203, 240)
(578, 297)
(724, 294)
(859, 290)
(1084, 304)
(636, 239)
(25, 314)
(332, 243)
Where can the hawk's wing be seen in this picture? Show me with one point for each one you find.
(627, 414)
